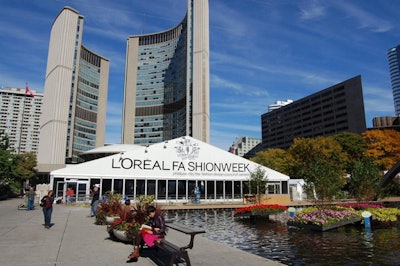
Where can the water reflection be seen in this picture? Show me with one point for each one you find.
(350, 245)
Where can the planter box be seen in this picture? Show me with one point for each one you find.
(325, 227)
(243, 215)
(251, 215)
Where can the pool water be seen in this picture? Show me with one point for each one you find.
(273, 239)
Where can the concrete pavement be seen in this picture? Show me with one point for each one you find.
(74, 239)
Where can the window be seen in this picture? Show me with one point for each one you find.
(273, 188)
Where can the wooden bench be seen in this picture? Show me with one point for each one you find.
(179, 253)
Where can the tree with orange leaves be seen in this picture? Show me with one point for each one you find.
(383, 147)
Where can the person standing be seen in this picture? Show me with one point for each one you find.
(70, 193)
(95, 200)
(47, 206)
(151, 233)
(31, 194)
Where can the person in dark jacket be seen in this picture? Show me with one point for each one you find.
(47, 206)
(154, 231)
(95, 200)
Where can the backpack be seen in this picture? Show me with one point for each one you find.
(43, 201)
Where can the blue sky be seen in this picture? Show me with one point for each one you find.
(261, 51)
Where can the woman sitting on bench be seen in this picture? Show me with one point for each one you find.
(155, 231)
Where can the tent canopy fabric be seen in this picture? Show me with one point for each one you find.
(181, 158)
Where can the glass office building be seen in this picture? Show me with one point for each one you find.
(75, 95)
(167, 81)
(394, 68)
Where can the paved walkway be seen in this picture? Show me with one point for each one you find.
(74, 239)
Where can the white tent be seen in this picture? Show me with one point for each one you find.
(183, 158)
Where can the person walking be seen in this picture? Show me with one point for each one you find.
(95, 200)
(154, 231)
(70, 193)
(47, 206)
(31, 194)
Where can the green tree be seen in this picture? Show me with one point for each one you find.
(277, 159)
(353, 145)
(25, 165)
(321, 163)
(258, 182)
(307, 151)
(323, 182)
(14, 169)
(6, 165)
(364, 180)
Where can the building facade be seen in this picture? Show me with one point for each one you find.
(386, 122)
(394, 67)
(19, 118)
(75, 95)
(333, 110)
(243, 145)
(167, 81)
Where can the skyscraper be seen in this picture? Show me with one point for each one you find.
(167, 81)
(19, 118)
(75, 95)
(394, 68)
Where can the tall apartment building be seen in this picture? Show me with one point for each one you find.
(243, 145)
(19, 118)
(167, 81)
(394, 67)
(333, 110)
(75, 95)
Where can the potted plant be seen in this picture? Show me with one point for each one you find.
(130, 218)
(109, 209)
(125, 231)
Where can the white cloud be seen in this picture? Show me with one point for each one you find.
(378, 99)
(310, 10)
(238, 88)
(365, 19)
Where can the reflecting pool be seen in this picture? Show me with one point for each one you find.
(273, 239)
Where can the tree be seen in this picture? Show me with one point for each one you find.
(25, 166)
(6, 165)
(307, 151)
(321, 163)
(353, 145)
(364, 180)
(383, 147)
(14, 168)
(258, 181)
(277, 159)
(323, 182)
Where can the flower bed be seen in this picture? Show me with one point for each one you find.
(324, 219)
(381, 216)
(335, 216)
